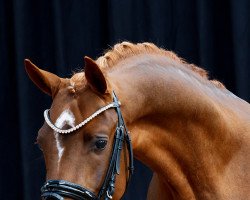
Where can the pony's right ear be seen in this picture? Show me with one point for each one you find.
(46, 81)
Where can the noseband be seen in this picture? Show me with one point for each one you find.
(58, 189)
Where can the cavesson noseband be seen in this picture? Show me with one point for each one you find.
(58, 189)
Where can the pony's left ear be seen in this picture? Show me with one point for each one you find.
(46, 81)
(94, 76)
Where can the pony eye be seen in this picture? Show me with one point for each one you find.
(100, 144)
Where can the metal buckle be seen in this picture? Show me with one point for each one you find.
(108, 195)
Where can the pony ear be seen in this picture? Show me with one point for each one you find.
(94, 76)
(46, 81)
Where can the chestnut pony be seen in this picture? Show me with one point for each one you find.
(190, 131)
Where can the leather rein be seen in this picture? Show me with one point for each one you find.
(58, 189)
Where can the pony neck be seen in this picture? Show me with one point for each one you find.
(177, 130)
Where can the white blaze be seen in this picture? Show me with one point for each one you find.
(66, 118)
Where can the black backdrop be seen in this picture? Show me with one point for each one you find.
(56, 34)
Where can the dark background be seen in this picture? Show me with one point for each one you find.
(56, 34)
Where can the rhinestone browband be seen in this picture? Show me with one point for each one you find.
(48, 121)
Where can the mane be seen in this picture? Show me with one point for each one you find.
(124, 50)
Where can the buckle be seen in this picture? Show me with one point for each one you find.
(108, 195)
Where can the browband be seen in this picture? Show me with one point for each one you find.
(66, 131)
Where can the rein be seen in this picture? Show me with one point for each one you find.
(58, 189)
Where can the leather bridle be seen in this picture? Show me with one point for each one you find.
(58, 189)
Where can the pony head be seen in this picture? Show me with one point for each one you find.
(82, 104)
